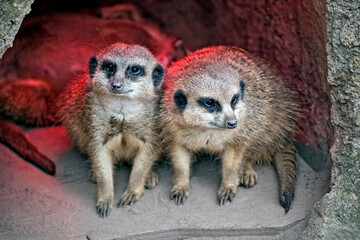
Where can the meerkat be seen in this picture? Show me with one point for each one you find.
(109, 114)
(227, 102)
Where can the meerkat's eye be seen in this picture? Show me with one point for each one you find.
(234, 100)
(136, 70)
(210, 104)
(108, 67)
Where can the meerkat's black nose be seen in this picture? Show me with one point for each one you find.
(116, 87)
(231, 124)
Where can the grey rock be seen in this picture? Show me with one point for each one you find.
(12, 14)
(337, 216)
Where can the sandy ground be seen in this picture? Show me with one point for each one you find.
(34, 205)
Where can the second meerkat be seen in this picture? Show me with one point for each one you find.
(227, 102)
(109, 114)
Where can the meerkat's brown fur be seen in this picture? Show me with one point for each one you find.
(227, 102)
(109, 114)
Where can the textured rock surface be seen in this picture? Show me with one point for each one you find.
(337, 215)
(12, 14)
(34, 205)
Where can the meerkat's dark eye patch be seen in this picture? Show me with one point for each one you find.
(109, 68)
(92, 66)
(157, 75)
(210, 104)
(242, 90)
(180, 100)
(234, 100)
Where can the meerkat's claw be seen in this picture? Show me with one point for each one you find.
(103, 208)
(179, 195)
(225, 194)
(151, 180)
(128, 198)
(248, 178)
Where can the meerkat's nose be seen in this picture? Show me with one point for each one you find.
(230, 120)
(231, 124)
(116, 86)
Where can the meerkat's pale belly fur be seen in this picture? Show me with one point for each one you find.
(123, 134)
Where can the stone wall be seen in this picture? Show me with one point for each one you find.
(12, 14)
(337, 215)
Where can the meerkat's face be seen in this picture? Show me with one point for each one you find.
(126, 71)
(210, 97)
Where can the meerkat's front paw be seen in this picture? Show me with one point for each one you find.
(248, 178)
(104, 207)
(226, 194)
(179, 194)
(129, 197)
(151, 180)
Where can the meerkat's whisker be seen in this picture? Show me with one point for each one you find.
(102, 37)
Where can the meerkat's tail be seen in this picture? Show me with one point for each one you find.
(285, 165)
(26, 102)
(13, 136)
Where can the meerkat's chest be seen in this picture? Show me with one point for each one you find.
(122, 117)
(127, 126)
(207, 140)
(128, 110)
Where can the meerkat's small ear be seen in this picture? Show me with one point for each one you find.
(242, 90)
(157, 75)
(180, 100)
(92, 65)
